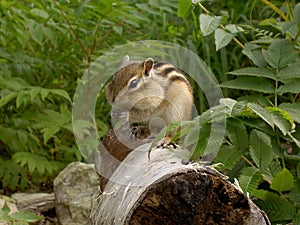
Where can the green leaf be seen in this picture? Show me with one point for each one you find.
(260, 149)
(5, 209)
(278, 209)
(280, 53)
(7, 98)
(254, 72)
(234, 29)
(294, 194)
(22, 98)
(254, 53)
(281, 119)
(61, 93)
(222, 38)
(296, 14)
(49, 132)
(292, 109)
(184, 8)
(238, 134)
(34, 92)
(44, 93)
(39, 13)
(283, 181)
(118, 29)
(249, 179)
(50, 34)
(263, 113)
(228, 156)
(293, 87)
(250, 84)
(208, 24)
(202, 141)
(35, 33)
(26, 216)
(290, 72)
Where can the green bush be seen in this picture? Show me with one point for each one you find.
(261, 147)
(251, 46)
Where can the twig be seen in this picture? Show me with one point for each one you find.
(276, 9)
(72, 29)
(222, 26)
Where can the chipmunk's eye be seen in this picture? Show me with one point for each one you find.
(133, 83)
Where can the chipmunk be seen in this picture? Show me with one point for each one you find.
(150, 92)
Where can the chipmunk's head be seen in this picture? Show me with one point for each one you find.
(134, 86)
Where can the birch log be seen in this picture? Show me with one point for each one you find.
(164, 190)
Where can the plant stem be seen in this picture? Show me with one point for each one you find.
(276, 90)
(222, 26)
(84, 49)
(276, 9)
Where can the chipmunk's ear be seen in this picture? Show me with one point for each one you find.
(125, 61)
(148, 66)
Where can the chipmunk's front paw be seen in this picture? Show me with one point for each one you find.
(166, 142)
(140, 132)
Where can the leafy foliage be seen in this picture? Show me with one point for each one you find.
(20, 217)
(262, 145)
(46, 45)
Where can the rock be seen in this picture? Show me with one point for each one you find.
(37, 202)
(76, 189)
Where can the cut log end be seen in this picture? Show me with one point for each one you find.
(163, 190)
(193, 197)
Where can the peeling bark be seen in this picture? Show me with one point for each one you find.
(163, 190)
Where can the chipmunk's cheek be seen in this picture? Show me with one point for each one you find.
(151, 102)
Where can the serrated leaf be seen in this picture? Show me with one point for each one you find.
(208, 24)
(22, 136)
(50, 34)
(254, 72)
(283, 181)
(5, 209)
(296, 14)
(288, 27)
(49, 132)
(249, 179)
(254, 53)
(201, 142)
(238, 134)
(44, 93)
(294, 194)
(250, 84)
(26, 216)
(61, 93)
(35, 32)
(183, 9)
(281, 119)
(22, 98)
(228, 156)
(280, 53)
(262, 113)
(292, 109)
(234, 29)
(278, 209)
(264, 194)
(7, 98)
(260, 149)
(34, 92)
(222, 38)
(290, 72)
(293, 87)
(39, 13)
(118, 30)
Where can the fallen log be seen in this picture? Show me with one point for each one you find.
(163, 189)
